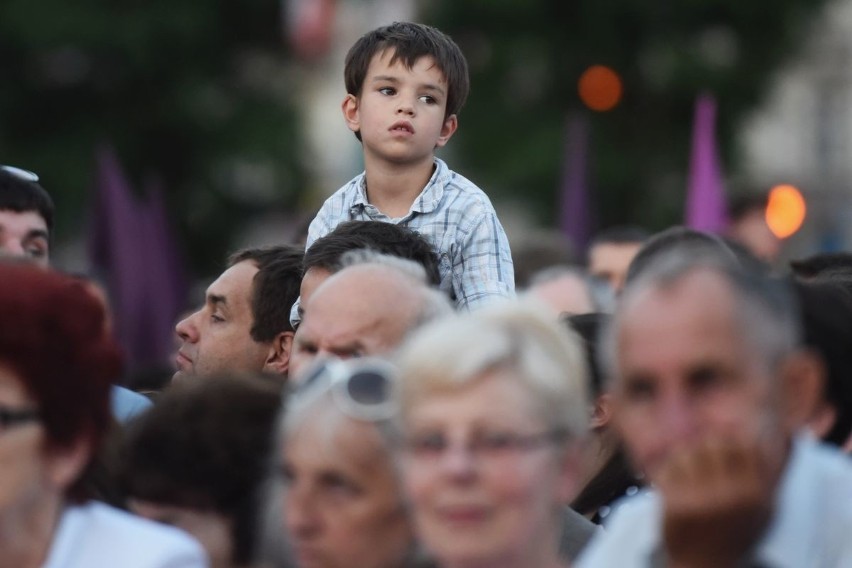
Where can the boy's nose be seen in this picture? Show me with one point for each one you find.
(405, 108)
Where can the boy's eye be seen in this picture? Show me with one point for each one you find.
(429, 100)
(387, 90)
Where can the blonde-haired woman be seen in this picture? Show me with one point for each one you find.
(492, 413)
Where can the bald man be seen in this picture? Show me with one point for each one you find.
(367, 308)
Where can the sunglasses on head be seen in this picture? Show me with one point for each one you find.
(20, 173)
(361, 387)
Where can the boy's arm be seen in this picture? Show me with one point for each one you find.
(482, 264)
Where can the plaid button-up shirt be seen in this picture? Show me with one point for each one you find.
(455, 216)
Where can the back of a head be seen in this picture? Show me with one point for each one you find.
(205, 446)
(20, 194)
(823, 266)
(588, 327)
(386, 238)
(274, 289)
(409, 42)
(826, 311)
(698, 243)
(517, 337)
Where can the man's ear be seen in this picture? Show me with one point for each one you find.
(278, 357)
(602, 412)
(350, 113)
(802, 379)
(451, 123)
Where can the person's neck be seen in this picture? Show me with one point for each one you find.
(392, 188)
(26, 535)
(542, 552)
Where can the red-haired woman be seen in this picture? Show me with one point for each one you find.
(56, 363)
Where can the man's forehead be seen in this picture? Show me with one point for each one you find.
(30, 219)
(235, 284)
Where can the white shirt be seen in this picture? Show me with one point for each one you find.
(811, 528)
(95, 535)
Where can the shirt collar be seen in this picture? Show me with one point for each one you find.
(428, 199)
(789, 539)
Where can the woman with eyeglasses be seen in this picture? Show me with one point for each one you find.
(56, 363)
(492, 412)
(338, 489)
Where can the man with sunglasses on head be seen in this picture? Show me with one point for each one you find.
(26, 216)
(366, 309)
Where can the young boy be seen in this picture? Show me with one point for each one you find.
(406, 84)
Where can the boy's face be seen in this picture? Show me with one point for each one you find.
(400, 111)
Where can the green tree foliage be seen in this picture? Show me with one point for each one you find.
(192, 92)
(526, 57)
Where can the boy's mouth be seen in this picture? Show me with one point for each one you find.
(402, 126)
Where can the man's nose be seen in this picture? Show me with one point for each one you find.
(12, 248)
(186, 328)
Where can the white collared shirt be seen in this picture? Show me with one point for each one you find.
(811, 528)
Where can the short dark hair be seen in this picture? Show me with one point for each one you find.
(385, 238)
(823, 264)
(740, 206)
(275, 287)
(20, 195)
(410, 42)
(826, 312)
(621, 235)
(204, 445)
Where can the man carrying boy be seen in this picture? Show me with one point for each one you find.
(406, 84)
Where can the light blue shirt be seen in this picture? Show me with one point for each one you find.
(455, 217)
(126, 404)
(811, 527)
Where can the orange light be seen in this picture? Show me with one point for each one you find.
(600, 88)
(785, 211)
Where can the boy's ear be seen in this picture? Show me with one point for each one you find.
(278, 356)
(351, 114)
(447, 130)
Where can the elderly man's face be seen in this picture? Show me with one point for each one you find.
(356, 313)
(687, 374)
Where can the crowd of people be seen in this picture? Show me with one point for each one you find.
(390, 395)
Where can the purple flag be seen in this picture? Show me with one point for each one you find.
(132, 247)
(705, 200)
(575, 215)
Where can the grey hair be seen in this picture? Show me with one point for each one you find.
(764, 307)
(368, 256)
(433, 303)
(515, 336)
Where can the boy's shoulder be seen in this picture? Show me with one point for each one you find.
(448, 188)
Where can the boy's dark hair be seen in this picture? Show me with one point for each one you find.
(410, 42)
(205, 445)
(385, 238)
(20, 195)
(275, 287)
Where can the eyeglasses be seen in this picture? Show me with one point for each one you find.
(20, 173)
(487, 446)
(11, 417)
(361, 387)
